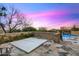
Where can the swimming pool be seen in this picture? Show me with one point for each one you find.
(68, 36)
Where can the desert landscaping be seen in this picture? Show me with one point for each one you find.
(39, 29)
(52, 47)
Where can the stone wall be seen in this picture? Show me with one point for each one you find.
(75, 32)
(9, 37)
(49, 36)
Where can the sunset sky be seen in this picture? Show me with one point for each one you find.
(50, 15)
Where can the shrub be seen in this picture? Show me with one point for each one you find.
(29, 29)
(10, 38)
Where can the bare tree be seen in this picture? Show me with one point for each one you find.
(15, 19)
(26, 22)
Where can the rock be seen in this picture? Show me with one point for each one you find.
(66, 43)
(62, 53)
(58, 45)
(54, 50)
(47, 44)
(61, 50)
(49, 51)
(77, 54)
(66, 48)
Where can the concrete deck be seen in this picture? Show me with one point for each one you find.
(28, 44)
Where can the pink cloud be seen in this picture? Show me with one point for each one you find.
(61, 24)
(44, 19)
(69, 23)
(47, 13)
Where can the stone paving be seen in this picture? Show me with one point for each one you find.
(54, 49)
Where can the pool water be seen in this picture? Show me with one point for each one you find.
(69, 37)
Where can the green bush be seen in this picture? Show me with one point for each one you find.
(29, 29)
